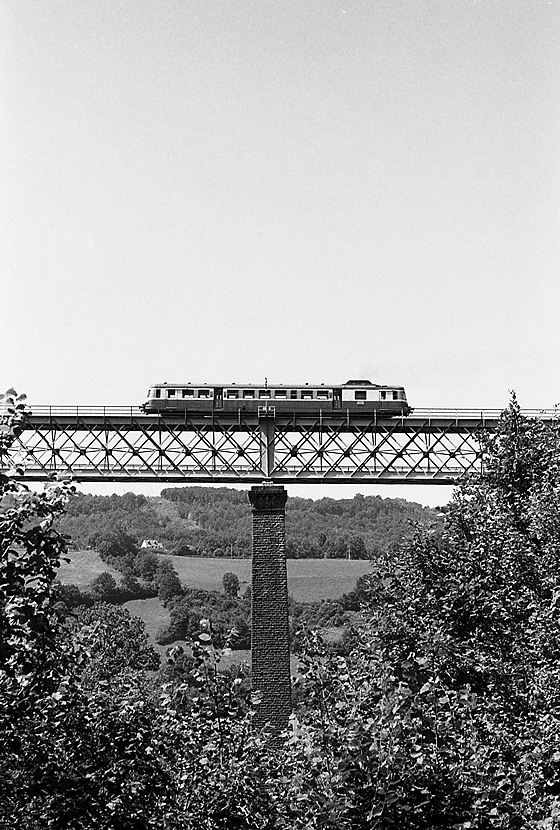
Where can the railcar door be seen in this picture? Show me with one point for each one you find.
(337, 399)
(218, 397)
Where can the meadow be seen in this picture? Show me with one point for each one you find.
(308, 579)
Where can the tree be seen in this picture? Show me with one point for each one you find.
(31, 551)
(104, 587)
(167, 581)
(181, 548)
(183, 625)
(230, 581)
(116, 547)
(115, 642)
(146, 564)
(69, 756)
(335, 548)
(70, 597)
(130, 588)
(357, 548)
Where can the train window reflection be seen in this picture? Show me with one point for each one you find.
(232, 393)
(248, 393)
(280, 393)
(306, 394)
(265, 393)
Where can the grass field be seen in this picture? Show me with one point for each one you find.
(308, 579)
(83, 567)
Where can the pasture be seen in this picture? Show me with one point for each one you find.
(308, 579)
(83, 567)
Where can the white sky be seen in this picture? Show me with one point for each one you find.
(310, 190)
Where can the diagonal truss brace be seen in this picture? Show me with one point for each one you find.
(141, 448)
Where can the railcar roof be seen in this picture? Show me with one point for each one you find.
(352, 384)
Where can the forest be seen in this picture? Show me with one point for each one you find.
(441, 710)
(205, 521)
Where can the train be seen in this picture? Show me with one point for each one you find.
(355, 397)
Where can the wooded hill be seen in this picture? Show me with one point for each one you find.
(207, 521)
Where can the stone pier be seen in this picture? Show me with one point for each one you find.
(269, 632)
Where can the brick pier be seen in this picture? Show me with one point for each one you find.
(269, 627)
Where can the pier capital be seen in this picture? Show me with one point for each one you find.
(268, 498)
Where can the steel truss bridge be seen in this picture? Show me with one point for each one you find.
(97, 444)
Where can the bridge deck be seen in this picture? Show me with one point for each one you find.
(124, 444)
(134, 417)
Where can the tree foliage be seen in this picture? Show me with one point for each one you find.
(230, 581)
(70, 756)
(447, 711)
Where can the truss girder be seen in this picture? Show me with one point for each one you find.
(414, 450)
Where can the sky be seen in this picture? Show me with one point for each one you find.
(219, 191)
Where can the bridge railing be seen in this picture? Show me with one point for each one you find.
(448, 413)
(481, 414)
(48, 411)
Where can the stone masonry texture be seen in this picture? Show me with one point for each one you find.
(270, 633)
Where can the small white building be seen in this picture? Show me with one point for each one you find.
(151, 544)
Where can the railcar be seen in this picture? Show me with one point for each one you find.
(356, 397)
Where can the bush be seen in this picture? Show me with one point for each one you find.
(230, 581)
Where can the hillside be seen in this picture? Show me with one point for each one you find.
(203, 521)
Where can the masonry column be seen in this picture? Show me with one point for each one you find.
(270, 647)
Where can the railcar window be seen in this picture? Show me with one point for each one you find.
(280, 393)
(383, 396)
(232, 393)
(248, 393)
(293, 394)
(265, 393)
(158, 393)
(306, 394)
(322, 394)
(395, 396)
(188, 393)
(204, 393)
(360, 395)
(171, 393)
